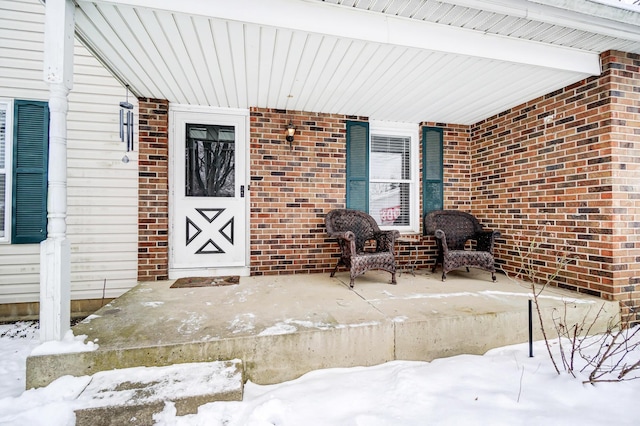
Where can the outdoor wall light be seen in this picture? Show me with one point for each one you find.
(291, 130)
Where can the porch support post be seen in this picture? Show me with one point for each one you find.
(55, 253)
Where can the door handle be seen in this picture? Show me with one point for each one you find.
(241, 191)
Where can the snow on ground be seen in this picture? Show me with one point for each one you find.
(503, 387)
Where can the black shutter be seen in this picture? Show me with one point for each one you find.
(30, 157)
(358, 165)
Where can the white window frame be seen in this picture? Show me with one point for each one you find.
(411, 131)
(7, 105)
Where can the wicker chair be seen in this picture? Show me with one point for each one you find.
(452, 229)
(353, 229)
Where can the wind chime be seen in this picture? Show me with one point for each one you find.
(126, 125)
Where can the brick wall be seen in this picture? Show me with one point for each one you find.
(563, 169)
(293, 188)
(153, 190)
(456, 165)
(623, 72)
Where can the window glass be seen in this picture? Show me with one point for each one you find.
(390, 171)
(3, 168)
(210, 161)
(392, 186)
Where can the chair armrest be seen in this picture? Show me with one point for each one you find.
(346, 235)
(440, 235)
(485, 240)
(346, 241)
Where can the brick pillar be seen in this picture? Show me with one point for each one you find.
(621, 73)
(153, 190)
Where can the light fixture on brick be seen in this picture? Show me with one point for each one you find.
(290, 132)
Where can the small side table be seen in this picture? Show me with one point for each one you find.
(411, 264)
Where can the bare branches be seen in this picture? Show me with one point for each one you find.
(612, 362)
(612, 356)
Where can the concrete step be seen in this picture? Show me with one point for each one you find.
(132, 396)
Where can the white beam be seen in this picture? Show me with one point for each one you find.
(358, 24)
(614, 19)
(55, 253)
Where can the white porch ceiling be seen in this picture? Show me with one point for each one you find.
(455, 61)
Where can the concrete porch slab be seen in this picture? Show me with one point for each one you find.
(284, 326)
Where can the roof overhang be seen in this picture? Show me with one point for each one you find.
(315, 56)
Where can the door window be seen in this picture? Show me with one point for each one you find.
(210, 161)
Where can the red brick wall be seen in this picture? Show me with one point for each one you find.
(456, 164)
(293, 188)
(153, 190)
(623, 72)
(565, 166)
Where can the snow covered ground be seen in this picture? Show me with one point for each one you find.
(503, 387)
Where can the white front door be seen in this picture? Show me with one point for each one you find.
(209, 196)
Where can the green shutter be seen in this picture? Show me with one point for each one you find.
(30, 149)
(358, 165)
(432, 169)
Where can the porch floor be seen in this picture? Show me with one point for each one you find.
(284, 326)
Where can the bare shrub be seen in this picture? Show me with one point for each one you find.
(611, 356)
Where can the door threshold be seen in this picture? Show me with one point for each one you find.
(243, 271)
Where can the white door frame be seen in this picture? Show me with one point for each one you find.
(243, 176)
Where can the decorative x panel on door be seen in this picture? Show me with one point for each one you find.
(205, 232)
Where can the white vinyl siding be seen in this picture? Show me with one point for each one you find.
(101, 189)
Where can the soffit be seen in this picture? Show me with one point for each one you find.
(399, 60)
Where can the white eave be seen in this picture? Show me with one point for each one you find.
(454, 61)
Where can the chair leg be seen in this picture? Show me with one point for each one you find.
(335, 269)
(444, 276)
(493, 277)
(351, 283)
(393, 278)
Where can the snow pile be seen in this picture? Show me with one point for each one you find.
(503, 387)
(69, 344)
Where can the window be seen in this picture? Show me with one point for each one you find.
(382, 164)
(5, 170)
(24, 141)
(210, 161)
